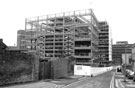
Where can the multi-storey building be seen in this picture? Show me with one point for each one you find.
(65, 34)
(120, 48)
(133, 57)
(104, 44)
(21, 39)
(25, 41)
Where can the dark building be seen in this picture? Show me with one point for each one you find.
(118, 49)
(3, 46)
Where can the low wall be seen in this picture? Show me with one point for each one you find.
(90, 71)
(99, 70)
(53, 69)
(59, 68)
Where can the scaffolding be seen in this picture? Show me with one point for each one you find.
(64, 34)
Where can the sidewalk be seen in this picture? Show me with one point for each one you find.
(119, 81)
(34, 85)
(57, 83)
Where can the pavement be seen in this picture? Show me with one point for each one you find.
(34, 85)
(119, 81)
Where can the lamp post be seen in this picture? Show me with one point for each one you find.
(124, 67)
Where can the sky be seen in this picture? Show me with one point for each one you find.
(120, 15)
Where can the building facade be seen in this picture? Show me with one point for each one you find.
(62, 35)
(118, 49)
(126, 58)
(21, 39)
(78, 34)
(104, 47)
(133, 57)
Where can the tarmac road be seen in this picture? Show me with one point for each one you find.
(100, 81)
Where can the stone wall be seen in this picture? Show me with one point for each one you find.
(15, 67)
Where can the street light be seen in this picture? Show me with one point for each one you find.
(124, 67)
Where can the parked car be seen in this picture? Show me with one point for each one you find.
(129, 74)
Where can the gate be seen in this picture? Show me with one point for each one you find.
(44, 70)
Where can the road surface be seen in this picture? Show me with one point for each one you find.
(100, 81)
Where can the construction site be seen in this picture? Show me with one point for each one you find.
(62, 35)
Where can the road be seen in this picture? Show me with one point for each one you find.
(100, 81)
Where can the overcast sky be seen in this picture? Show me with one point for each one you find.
(120, 15)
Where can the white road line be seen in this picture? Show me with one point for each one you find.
(81, 79)
(119, 75)
(112, 81)
(75, 82)
(130, 85)
(116, 83)
(121, 83)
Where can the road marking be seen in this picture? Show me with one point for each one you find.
(81, 79)
(119, 75)
(76, 82)
(112, 81)
(119, 83)
(130, 85)
(116, 83)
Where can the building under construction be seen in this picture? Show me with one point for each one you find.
(105, 49)
(62, 35)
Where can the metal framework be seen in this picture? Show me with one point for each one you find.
(69, 34)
